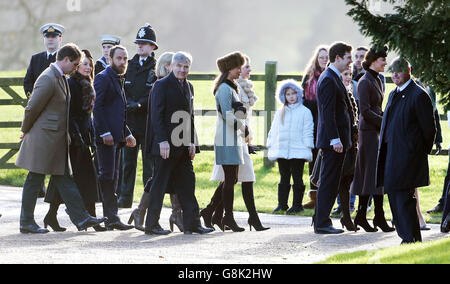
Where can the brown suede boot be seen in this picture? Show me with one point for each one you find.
(138, 214)
(176, 218)
(312, 203)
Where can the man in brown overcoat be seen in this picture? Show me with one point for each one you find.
(44, 149)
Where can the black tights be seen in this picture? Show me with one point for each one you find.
(231, 174)
(377, 200)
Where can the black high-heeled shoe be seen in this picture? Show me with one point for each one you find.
(381, 223)
(207, 217)
(348, 224)
(174, 221)
(53, 223)
(256, 223)
(229, 222)
(361, 221)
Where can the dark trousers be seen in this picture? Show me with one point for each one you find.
(130, 158)
(108, 166)
(446, 211)
(291, 168)
(330, 178)
(311, 166)
(179, 172)
(446, 182)
(403, 207)
(66, 188)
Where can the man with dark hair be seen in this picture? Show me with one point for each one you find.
(360, 53)
(334, 134)
(406, 138)
(44, 149)
(139, 80)
(111, 131)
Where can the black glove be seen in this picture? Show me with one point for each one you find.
(239, 110)
(253, 149)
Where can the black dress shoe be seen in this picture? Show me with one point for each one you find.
(438, 209)
(32, 229)
(199, 230)
(328, 230)
(118, 226)
(157, 230)
(90, 222)
(445, 226)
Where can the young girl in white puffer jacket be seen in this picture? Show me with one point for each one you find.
(290, 142)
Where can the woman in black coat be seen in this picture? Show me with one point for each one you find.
(80, 130)
(370, 92)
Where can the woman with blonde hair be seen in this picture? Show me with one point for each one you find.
(317, 64)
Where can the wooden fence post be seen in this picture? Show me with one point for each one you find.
(270, 104)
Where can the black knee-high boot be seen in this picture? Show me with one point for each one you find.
(249, 200)
(361, 215)
(379, 220)
(51, 220)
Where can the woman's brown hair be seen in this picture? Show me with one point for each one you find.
(88, 55)
(372, 55)
(313, 65)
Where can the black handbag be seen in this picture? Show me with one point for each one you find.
(314, 179)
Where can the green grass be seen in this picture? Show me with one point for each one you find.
(267, 179)
(434, 252)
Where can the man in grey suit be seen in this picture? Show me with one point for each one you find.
(45, 145)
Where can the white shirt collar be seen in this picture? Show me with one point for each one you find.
(53, 53)
(402, 87)
(59, 69)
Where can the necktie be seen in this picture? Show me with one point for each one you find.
(52, 58)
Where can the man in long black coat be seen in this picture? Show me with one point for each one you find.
(406, 139)
(333, 136)
(171, 141)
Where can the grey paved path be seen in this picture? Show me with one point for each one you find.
(290, 240)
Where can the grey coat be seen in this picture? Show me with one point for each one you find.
(228, 142)
(45, 148)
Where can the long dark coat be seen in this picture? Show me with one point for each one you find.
(138, 83)
(408, 129)
(168, 98)
(370, 92)
(81, 133)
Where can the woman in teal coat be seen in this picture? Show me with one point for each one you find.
(230, 133)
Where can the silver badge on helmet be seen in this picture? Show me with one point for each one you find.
(141, 33)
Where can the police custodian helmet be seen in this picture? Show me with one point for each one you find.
(146, 34)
